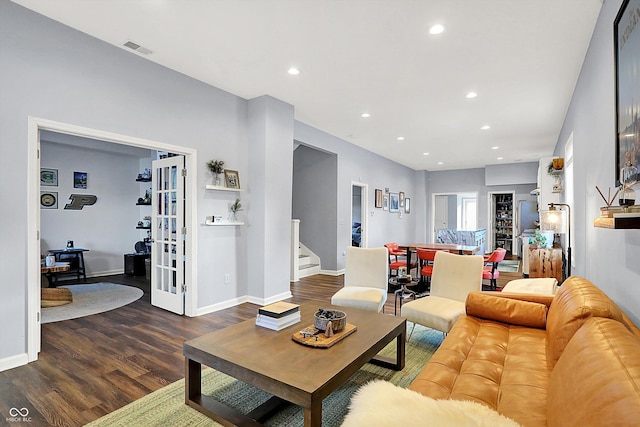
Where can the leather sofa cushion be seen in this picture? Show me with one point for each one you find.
(575, 302)
(506, 310)
(499, 365)
(596, 381)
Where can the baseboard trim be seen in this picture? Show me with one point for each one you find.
(332, 272)
(237, 301)
(13, 361)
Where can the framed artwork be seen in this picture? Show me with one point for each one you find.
(394, 202)
(626, 39)
(401, 196)
(407, 205)
(80, 180)
(231, 178)
(49, 177)
(385, 202)
(378, 198)
(49, 199)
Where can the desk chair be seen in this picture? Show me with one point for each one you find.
(454, 276)
(365, 279)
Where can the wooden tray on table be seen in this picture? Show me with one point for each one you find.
(320, 341)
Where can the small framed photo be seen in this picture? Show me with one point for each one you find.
(49, 199)
(378, 198)
(49, 177)
(394, 202)
(231, 178)
(385, 202)
(407, 205)
(80, 180)
(401, 199)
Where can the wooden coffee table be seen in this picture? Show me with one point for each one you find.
(291, 372)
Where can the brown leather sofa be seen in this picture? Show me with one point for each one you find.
(572, 359)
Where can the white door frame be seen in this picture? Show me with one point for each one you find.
(491, 217)
(35, 125)
(364, 209)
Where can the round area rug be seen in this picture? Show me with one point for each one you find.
(91, 299)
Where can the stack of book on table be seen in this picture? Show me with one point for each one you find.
(278, 315)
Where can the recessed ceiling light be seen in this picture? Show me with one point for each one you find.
(425, 154)
(471, 95)
(495, 147)
(485, 127)
(440, 163)
(293, 71)
(500, 158)
(400, 138)
(436, 29)
(365, 115)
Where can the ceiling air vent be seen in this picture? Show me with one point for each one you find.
(134, 46)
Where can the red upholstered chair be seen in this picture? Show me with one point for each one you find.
(394, 262)
(425, 260)
(490, 272)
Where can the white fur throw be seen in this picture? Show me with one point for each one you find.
(380, 403)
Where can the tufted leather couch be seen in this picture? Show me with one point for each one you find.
(572, 359)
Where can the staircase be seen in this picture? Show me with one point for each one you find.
(303, 262)
(307, 265)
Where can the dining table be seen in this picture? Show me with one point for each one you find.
(451, 247)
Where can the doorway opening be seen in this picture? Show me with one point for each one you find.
(457, 211)
(359, 214)
(38, 125)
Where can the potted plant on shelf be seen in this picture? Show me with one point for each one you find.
(235, 208)
(216, 167)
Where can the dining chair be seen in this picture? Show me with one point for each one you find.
(394, 263)
(365, 279)
(425, 263)
(490, 270)
(453, 277)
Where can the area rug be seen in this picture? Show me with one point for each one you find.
(166, 407)
(90, 299)
(509, 266)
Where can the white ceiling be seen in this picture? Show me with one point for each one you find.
(521, 57)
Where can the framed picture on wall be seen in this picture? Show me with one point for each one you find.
(49, 177)
(626, 39)
(80, 180)
(49, 199)
(394, 202)
(231, 178)
(401, 199)
(378, 198)
(407, 205)
(385, 202)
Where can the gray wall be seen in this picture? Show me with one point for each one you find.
(468, 181)
(107, 228)
(315, 202)
(359, 165)
(50, 71)
(609, 258)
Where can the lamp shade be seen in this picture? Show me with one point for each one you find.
(554, 220)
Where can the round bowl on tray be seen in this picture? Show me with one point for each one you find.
(337, 318)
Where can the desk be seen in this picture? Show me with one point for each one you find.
(75, 258)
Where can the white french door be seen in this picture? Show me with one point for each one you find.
(168, 234)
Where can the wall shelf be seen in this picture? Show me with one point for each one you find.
(624, 223)
(220, 188)
(222, 223)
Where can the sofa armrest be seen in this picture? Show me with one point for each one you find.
(507, 310)
(380, 403)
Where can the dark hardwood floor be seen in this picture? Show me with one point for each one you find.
(94, 365)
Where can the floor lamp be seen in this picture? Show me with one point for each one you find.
(558, 221)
